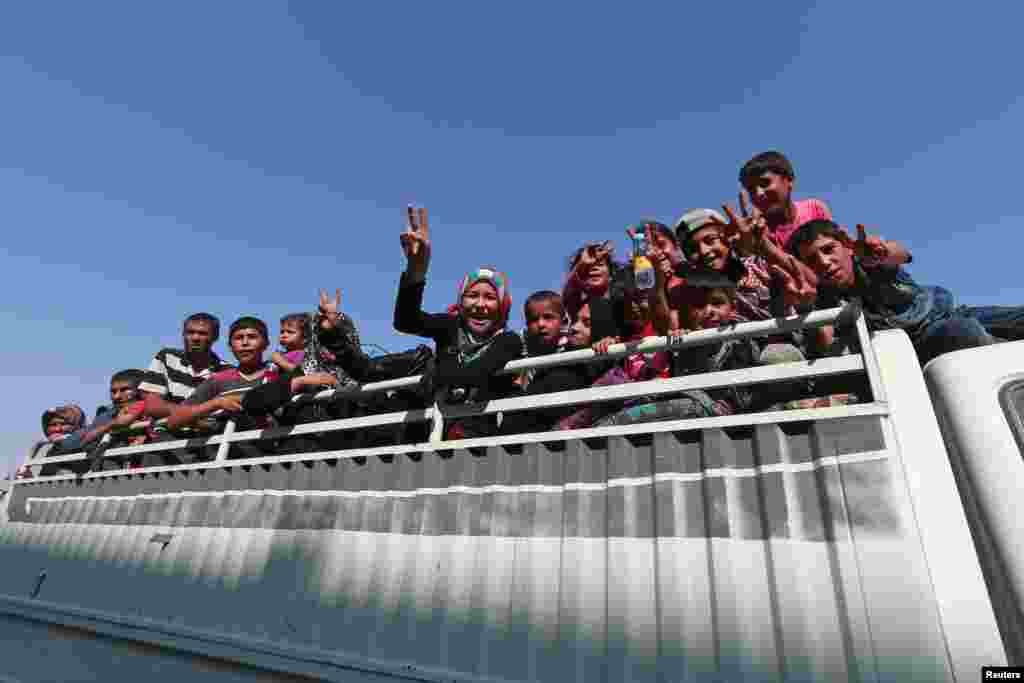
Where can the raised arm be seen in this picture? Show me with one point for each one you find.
(750, 229)
(875, 252)
(661, 312)
(409, 315)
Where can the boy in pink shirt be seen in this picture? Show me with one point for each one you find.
(768, 179)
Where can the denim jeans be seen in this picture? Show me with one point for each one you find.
(951, 334)
(1005, 322)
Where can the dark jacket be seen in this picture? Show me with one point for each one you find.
(443, 328)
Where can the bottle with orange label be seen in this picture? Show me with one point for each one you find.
(643, 270)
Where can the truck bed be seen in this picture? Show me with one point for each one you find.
(784, 546)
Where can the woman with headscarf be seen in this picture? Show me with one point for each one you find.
(472, 339)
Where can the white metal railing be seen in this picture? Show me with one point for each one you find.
(438, 413)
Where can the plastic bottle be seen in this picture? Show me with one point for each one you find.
(643, 270)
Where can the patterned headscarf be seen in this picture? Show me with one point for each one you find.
(498, 280)
(471, 346)
(71, 413)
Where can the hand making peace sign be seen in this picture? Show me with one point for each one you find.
(591, 254)
(329, 311)
(657, 256)
(796, 291)
(416, 242)
(871, 249)
(748, 227)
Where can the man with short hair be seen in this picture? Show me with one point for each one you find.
(175, 373)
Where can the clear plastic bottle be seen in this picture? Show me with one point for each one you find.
(643, 269)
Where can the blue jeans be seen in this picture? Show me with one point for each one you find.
(1005, 322)
(951, 334)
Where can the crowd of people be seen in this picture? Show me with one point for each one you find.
(771, 255)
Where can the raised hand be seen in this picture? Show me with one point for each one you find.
(415, 241)
(329, 311)
(591, 254)
(601, 346)
(796, 291)
(661, 261)
(871, 249)
(747, 229)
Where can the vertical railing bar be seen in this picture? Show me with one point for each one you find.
(222, 449)
(867, 350)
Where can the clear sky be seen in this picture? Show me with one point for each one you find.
(159, 159)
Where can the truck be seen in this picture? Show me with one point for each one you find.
(877, 541)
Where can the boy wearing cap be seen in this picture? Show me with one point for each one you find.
(702, 234)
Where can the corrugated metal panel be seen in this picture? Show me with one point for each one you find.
(774, 552)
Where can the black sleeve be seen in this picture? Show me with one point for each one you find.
(564, 378)
(350, 357)
(507, 347)
(409, 315)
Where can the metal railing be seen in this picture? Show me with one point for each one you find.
(438, 413)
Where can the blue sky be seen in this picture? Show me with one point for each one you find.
(234, 157)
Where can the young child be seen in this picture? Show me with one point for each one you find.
(544, 315)
(706, 308)
(768, 179)
(592, 269)
(295, 329)
(870, 270)
(471, 338)
(595, 327)
(705, 242)
(304, 360)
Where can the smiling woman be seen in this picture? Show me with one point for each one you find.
(472, 341)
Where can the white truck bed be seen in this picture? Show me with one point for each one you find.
(815, 545)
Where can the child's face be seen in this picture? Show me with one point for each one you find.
(122, 393)
(769, 192)
(709, 249)
(663, 242)
(713, 309)
(830, 259)
(248, 346)
(291, 337)
(198, 336)
(597, 275)
(56, 426)
(580, 332)
(544, 321)
(480, 307)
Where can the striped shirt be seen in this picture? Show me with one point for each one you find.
(173, 378)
